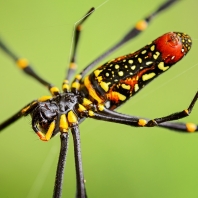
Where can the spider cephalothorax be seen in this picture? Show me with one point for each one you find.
(48, 116)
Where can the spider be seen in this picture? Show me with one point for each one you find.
(43, 124)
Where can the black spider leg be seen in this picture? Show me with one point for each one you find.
(112, 116)
(64, 137)
(135, 31)
(24, 65)
(80, 183)
(23, 112)
(77, 33)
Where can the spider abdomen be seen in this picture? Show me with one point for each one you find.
(119, 79)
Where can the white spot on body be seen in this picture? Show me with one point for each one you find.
(117, 66)
(149, 63)
(130, 61)
(152, 47)
(136, 87)
(120, 73)
(139, 60)
(144, 52)
(107, 104)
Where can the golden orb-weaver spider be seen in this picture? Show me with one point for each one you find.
(87, 28)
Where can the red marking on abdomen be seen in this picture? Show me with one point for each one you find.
(170, 47)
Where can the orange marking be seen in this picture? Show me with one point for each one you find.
(79, 27)
(191, 127)
(72, 66)
(115, 96)
(134, 80)
(22, 63)
(142, 122)
(141, 25)
(41, 136)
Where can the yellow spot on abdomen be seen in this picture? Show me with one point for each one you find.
(104, 86)
(130, 61)
(97, 72)
(155, 56)
(120, 73)
(161, 66)
(139, 60)
(92, 92)
(148, 76)
(124, 86)
(152, 47)
(117, 66)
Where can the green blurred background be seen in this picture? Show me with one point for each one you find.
(119, 161)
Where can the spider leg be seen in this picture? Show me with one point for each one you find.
(24, 65)
(81, 191)
(175, 126)
(174, 116)
(77, 33)
(108, 115)
(131, 34)
(61, 165)
(23, 112)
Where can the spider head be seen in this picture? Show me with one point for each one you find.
(43, 117)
